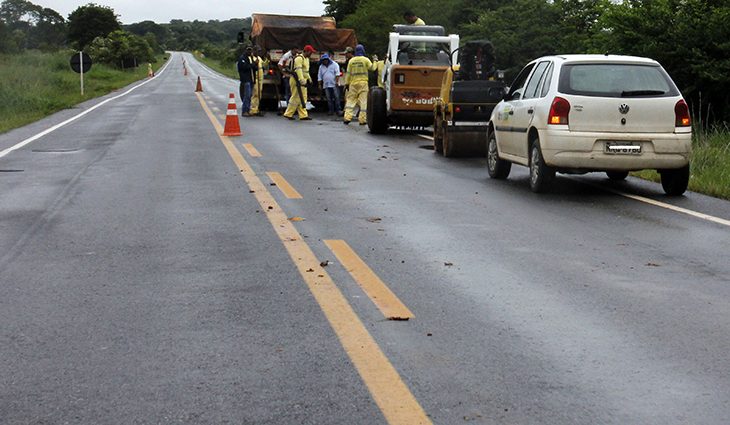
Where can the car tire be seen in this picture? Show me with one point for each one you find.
(497, 168)
(541, 175)
(675, 181)
(617, 175)
(377, 112)
(438, 145)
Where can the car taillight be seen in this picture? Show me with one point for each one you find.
(271, 72)
(559, 111)
(457, 109)
(681, 114)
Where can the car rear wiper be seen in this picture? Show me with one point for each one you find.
(630, 93)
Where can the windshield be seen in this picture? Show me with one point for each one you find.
(423, 53)
(616, 80)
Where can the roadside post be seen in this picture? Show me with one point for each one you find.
(81, 63)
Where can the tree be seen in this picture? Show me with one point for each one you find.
(91, 21)
(340, 9)
(121, 49)
(689, 38)
(32, 26)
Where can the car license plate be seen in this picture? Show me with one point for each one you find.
(623, 148)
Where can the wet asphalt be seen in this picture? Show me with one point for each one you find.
(141, 282)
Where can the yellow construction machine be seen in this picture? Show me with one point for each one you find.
(469, 92)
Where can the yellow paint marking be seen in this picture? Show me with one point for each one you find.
(284, 185)
(388, 303)
(387, 388)
(670, 207)
(251, 150)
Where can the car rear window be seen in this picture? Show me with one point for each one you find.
(616, 80)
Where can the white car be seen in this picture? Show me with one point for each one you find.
(583, 113)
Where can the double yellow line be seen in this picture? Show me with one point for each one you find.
(390, 393)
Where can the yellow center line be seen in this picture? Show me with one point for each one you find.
(388, 303)
(390, 393)
(283, 185)
(251, 150)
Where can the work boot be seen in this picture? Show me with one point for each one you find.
(305, 119)
(346, 122)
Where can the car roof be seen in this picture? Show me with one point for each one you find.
(574, 58)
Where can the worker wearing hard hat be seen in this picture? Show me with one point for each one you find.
(258, 85)
(247, 74)
(298, 83)
(379, 66)
(358, 69)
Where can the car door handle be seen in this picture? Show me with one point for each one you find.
(531, 110)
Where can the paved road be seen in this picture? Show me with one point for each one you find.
(154, 272)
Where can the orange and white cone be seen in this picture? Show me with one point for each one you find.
(232, 128)
(199, 86)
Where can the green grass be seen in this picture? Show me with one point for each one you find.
(227, 69)
(34, 85)
(709, 164)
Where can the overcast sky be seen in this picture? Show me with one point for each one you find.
(162, 11)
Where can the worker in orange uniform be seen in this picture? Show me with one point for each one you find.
(258, 85)
(298, 83)
(357, 83)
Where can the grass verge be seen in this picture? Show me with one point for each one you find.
(34, 85)
(227, 69)
(709, 165)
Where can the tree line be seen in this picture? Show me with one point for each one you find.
(690, 38)
(97, 30)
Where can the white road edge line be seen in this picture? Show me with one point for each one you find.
(75, 117)
(424, 136)
(671, 207)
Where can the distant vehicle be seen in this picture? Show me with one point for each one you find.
(277, 34)
(469, 92)
(417, 58)
(583, 113)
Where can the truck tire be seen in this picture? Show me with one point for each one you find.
(449, 147)
(377, 112)
(438, 139)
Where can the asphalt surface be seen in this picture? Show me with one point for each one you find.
(142, 282)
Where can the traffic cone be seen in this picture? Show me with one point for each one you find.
(233, 128)
(199, 86)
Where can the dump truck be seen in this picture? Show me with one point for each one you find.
(469, 93)
(277, 34)
(417, 58)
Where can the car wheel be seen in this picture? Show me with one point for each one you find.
(675, 181)
(497, 168)
(617, 175)
(541, 175)
(438, 146)
(377, 113)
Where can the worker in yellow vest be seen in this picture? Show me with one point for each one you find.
(258, 85)
(357, 85)
(379, 65)
(298, 82)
